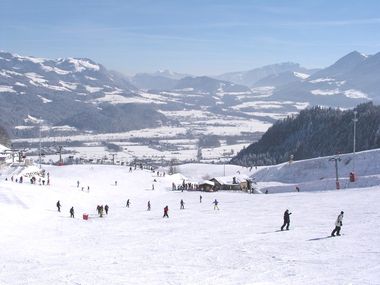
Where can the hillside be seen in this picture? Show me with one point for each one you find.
(78, 95)
(4, 137)
(72, 94)
(314, 132)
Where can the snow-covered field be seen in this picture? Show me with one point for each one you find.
(239, 244)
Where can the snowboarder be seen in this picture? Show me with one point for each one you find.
(106, 208)
(338, 225)
(216, 205)
(286, 220)
(59, 206)
(200, 199)
(182, 207)
(148, 205)
(72, 212)
(166, 210)
(127, 203)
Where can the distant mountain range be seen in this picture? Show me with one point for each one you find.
(70, 94)
(79, 95)
(252, 77)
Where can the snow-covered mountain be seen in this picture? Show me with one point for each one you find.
(209, 85)
(283, 78)
(341, 66)
(81, 95)
(156, 82)
(353, 79)
(159, 80)
(75, 92)
(251, 77)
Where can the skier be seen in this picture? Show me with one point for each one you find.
(286, 220)
(216, 205)
(106, 208)
(152, 186)
(297, 189)
(72, 212)
(200, 199)
(182, 205)
(338, 225)
(148, 205)
(115, 183)
(127, 203)
(101, 211)
(98, 209)
(166, 210)
(78, 184)
(59, 206)
(88, 188)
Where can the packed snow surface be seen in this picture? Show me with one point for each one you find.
(239, 244)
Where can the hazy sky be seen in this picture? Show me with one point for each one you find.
(198, 37)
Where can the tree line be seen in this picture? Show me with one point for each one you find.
(314, 132)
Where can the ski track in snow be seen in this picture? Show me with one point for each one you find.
(240, 244)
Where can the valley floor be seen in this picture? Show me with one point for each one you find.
(239, 244)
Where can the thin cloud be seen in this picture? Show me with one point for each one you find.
(351, 22)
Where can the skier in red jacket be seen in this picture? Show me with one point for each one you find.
(166, 210)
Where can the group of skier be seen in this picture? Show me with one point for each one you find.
(286, 224)
(82, 189)
(71, 211)
(33, 180)
(338, 223)
(99, 209)
(166, 208)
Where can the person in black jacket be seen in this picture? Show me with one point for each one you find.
(72, 212)
(148, 206)
(286, 220)
(59, 206)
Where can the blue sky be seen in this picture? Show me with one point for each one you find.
(198, 37)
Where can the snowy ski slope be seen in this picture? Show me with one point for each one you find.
(240, 244)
